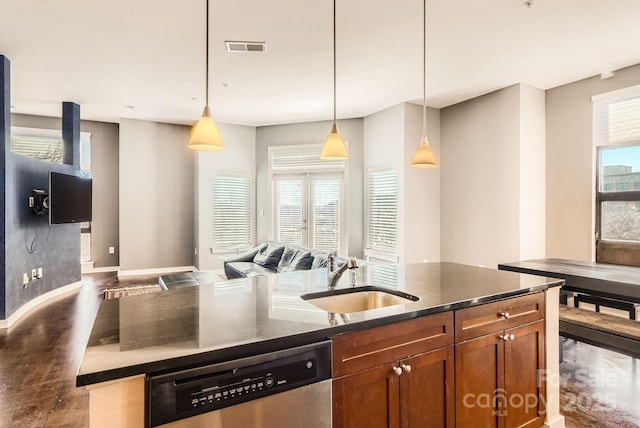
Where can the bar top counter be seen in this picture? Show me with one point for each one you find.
(194, 325)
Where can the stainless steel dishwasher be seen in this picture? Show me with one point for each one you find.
(283, 389)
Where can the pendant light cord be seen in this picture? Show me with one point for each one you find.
(206, 95)
(424, 68)
(334, 61)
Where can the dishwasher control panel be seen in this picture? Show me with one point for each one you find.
(187, 393)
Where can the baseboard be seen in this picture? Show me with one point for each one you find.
(48, 297)
(156, 271)
(101, 269)
(558, 422)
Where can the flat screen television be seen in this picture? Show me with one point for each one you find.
(69, 198)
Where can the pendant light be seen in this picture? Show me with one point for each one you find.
(424, 158)
(334, 147)
(204, 134)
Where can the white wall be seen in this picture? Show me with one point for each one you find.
(480, 179)
(384, 149)
(571, 163)
(421, 189)
(391, 137)
(238, 157)
(313, 133)
(156, 196)
(532, 173)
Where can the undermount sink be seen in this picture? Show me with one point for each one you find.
(357, 299)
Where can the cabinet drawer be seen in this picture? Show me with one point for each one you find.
(493, 317)
(360, 350)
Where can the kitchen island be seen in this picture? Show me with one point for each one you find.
(188, 327)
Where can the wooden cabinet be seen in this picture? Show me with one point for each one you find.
(499, 352)
(400, 375)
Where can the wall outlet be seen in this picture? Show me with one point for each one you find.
(34, 274)
(32, 201)
(25, 280)
(39, 273)
(112, 250)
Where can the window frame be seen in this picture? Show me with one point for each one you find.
(624, 252)
(611, 195)
(309, 167)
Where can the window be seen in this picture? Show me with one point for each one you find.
(307, 198)
(231, 211)
(617, 139)
(382, 234)
(618, 197)
(85, 171)
(46, 145)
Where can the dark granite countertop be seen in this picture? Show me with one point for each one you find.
(190, 326)
(600, 279)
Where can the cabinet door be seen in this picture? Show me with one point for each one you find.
(426, 390)
(367, 399)
(524, 357)
(480, 393)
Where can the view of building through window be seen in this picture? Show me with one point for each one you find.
(620, 173)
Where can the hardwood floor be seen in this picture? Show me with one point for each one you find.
(600, 388)
(39, 357)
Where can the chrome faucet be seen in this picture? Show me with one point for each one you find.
(333, 274)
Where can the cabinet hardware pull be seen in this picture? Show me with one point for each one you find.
(506, 337)
(511, 337)
(406, 368)
(397, 370)
(505, 315)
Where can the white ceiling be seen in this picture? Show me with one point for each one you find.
(149, 54)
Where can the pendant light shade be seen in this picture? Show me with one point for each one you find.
(204, 134)
(334, 147)
(424, 158)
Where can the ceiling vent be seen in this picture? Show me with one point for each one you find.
(246, 46)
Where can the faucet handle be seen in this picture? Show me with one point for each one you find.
(331, 262)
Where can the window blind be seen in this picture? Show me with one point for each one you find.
(85, 155)
(383, 211)
(38, 147)
(231, 211)
(326, 213)
(617, 120)
(288, 208)
(301, 158)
